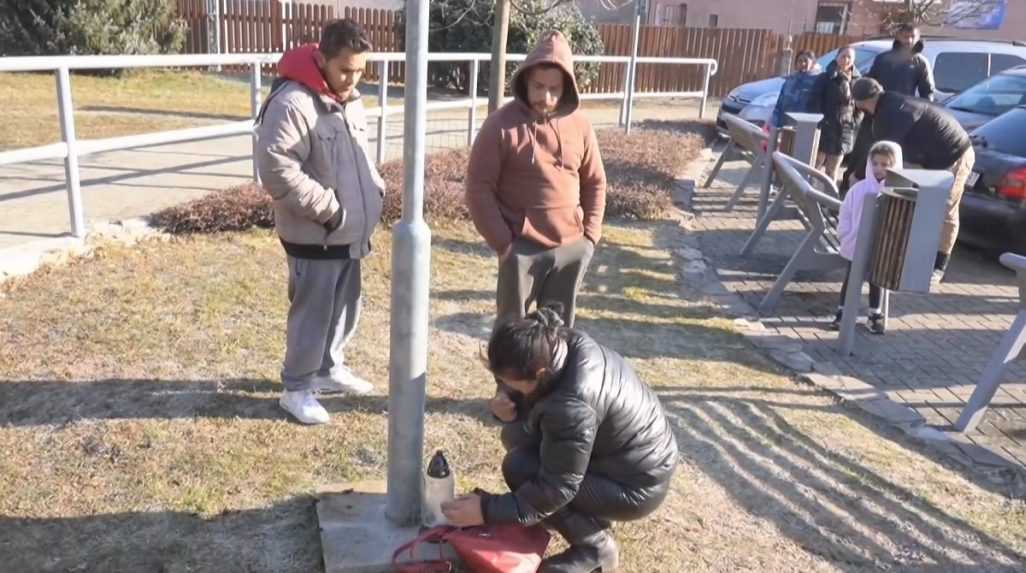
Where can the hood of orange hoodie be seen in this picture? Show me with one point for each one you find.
(553, 49)
(299, 65)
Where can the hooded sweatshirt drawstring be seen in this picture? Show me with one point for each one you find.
(559, 139)
(532, 135)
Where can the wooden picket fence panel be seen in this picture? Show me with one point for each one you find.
(260, 26)
(743, 54)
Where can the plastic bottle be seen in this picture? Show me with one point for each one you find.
(439, 487)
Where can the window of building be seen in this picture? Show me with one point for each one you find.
(832, 18)
(714, 20)
(673, 15)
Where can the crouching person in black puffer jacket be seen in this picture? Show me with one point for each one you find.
(587, 441)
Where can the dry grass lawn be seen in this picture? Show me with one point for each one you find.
(137, 102)
(140, 430)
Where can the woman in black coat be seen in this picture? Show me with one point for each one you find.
(840, 121)
(587, 441)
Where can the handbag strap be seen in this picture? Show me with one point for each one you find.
(433, 535)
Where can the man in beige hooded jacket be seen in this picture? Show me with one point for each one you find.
(313, 160)
(536, 188)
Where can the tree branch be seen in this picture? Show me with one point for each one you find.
(539, 11)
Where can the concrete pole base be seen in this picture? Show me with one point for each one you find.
(355, 535)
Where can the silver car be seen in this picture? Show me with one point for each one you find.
(957, 65)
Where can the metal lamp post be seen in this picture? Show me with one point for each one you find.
(411, 264)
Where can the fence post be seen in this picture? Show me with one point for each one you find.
(254, 106)
(67, 118)
(705, 90)
(639, 9)
(382, 119)
(475, 69)
(626, 93)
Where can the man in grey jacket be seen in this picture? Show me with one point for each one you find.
(327, 196)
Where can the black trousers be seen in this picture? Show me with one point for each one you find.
(875, 292)
(598, 496)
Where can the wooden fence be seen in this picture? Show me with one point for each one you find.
(743, 54)
(256, 26)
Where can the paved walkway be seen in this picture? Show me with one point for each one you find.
(127, 184)
(936, 345)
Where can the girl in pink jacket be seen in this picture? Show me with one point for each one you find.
(883, 155)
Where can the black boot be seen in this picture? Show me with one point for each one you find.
(940, 266)
(835, 324)
(592, 547)
(876, 323)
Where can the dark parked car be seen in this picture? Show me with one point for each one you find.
(993, 213)
(989, 98)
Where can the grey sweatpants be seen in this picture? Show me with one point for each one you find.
(534, 274)
(324, 308)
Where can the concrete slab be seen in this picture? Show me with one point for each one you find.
(355, 535)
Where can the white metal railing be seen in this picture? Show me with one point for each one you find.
(71, 148)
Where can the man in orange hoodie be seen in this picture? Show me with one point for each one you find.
(536, 187)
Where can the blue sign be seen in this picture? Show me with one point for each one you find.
(977, 14)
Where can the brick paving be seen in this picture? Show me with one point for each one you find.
(936, 345)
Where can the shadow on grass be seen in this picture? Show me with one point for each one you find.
(281, 538)
(631, 301)
(42, 402)
(826, 502)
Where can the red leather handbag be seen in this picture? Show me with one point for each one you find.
(484, 549)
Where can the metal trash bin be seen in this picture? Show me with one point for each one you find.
(896, 209)
(910, 215)
(786, 144)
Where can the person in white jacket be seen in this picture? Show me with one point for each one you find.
(883, 155)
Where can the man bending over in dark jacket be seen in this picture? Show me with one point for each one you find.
(930, 137)
(590, 445)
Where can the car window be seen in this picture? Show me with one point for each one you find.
(992, 97)
(826, 59)
(863, 59)
(1004, 133)
(958, 71)
(1001, 62)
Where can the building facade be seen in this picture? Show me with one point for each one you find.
(980, 19)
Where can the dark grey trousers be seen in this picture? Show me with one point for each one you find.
(324, 297)
(533, 274)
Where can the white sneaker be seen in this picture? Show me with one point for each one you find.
(304, 407)
(342, 380)
(936, 277)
